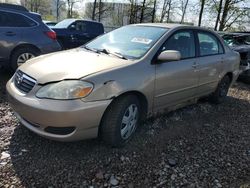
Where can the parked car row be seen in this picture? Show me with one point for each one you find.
(23, 35)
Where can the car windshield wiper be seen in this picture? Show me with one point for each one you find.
(117, 54)
(91, 49)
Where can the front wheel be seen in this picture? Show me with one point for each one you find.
(121, 120)
(222, 89)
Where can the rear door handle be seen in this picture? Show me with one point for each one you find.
(10, 33)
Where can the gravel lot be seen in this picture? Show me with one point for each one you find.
(202, 145)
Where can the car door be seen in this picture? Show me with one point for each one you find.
(9, 33)
(176, 81)
(210, 60)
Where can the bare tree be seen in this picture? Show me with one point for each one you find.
(134, 10)
(165, 12)
(103, 10)
(59, 4)
(228, 13)
(218, 8)
(183, 8)
(40, 6)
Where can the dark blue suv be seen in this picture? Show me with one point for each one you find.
(23, 35)
(72, 33)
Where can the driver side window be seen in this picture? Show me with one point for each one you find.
(182, 41)
(79, 26)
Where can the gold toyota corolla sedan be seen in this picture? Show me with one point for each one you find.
(107, 86)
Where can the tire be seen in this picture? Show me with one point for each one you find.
(121, 120)
(221, 92)
(61, 44)
(245, 77)
(24, 54)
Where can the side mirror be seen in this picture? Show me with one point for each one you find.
(72, 27)
(169, 55)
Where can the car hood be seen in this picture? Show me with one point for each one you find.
(241, 48)
(70, 64)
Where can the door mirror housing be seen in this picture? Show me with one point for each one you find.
(72, 27)
(169, 55)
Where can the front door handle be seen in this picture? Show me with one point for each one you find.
(10, 33)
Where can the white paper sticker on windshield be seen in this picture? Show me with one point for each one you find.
(141, 40)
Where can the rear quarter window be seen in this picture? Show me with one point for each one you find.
(96, 28)
(8, 19)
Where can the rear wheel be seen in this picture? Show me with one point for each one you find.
(222, 89)
(21, 55)
(121, 120)
(245, 77)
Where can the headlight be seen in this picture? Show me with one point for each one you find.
(68, 89)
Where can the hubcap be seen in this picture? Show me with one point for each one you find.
(23, 58)
(129, 121)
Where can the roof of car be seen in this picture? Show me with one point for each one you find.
(166, 25)
(237, 34)
(13, 7)
(73, 20)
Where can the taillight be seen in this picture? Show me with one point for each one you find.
(51, 35)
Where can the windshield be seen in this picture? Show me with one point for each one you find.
(64, 23)
(132, 42)
(229, 40)
(237, 40)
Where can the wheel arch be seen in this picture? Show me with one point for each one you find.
(20, 46)
(141, 97)
(230, 75)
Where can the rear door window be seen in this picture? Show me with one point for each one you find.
(209, 44)
(8, 19)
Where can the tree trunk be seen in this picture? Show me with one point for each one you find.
(57, 10)
(100, 11)
(154, 10)
(201, 12)
(71, 9)
(184, 11)
(168, 11)
(218, 15)
(163, 12)
(131, 12)
(93, 11)
(224, 15)
(142, 11)
(68, 12)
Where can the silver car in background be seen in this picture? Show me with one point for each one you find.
(108, 86)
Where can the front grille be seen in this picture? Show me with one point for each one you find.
(24, 82)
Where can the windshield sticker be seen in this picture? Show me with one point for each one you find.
(141, 40)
